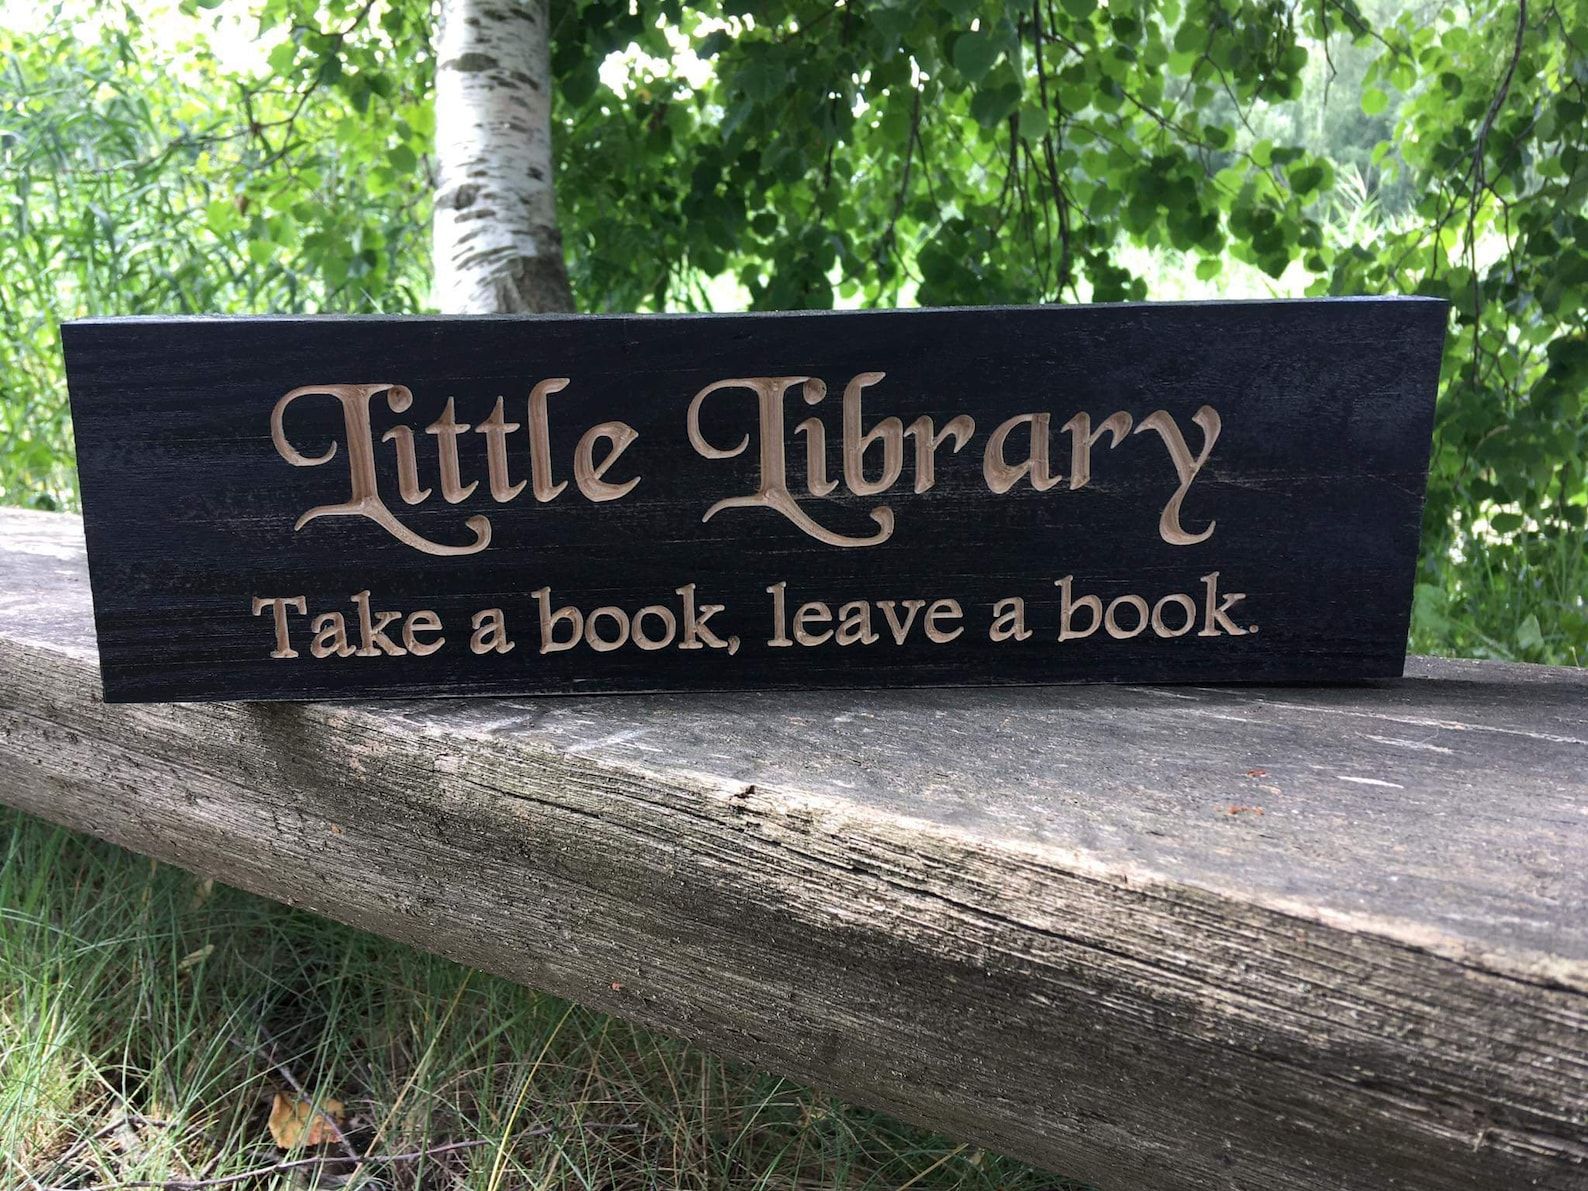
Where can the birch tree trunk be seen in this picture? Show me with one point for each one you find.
(497, 247)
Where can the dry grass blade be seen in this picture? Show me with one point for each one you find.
(290, 1164)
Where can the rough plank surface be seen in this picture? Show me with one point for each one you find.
(1028, 917)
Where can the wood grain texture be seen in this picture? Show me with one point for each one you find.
(1027, 917)
(1269, 453)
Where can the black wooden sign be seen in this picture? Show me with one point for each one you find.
(290, 508)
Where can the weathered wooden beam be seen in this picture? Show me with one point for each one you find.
(1189, 938)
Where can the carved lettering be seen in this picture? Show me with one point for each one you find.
(490, 632)
(587, 473)
(1083, 438)
(446, 429)
(278, 611)
(330, 636)
(609, 627)
(959, 428)
(871, 456)
(888, 433)
(1218, 617)
(496, 428)
(1001, 475)
(364, 499)
(1009, 621)
(773, 491)
(1185, 467)
(1068, 607)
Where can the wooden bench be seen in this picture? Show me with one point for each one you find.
(1150, 937)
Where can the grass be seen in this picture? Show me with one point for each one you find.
(1517, 596)
(148, 1019)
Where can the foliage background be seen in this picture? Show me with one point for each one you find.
(274, 155)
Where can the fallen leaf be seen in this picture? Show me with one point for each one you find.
(1257, 773)
(297, 1122)
(196, 957)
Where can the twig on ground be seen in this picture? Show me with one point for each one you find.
(326, 1159)
(31, 1181)
(948, 1157)
(82, 1143)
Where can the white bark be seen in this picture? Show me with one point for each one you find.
(497, 247)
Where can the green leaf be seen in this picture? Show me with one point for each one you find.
(1306, 179)
(974, 55)
(992, 105)
(1529, 635)
(762, 80)
(712, 44)
(283, 58)
(579, 86)
(1374, 101)
(1033, 122)
(221, 216)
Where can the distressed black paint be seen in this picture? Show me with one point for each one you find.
(1315, 485)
